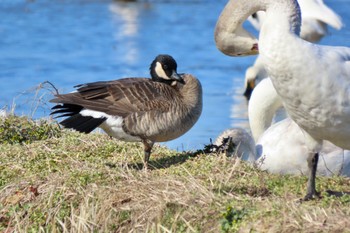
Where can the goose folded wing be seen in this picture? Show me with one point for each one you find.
(120, 97)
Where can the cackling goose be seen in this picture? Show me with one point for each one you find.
(136, 109)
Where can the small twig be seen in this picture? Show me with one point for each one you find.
(53, 86)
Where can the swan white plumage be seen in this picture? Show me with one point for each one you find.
(316, 16)
(313, 81)
(280, 148)
(286, 156)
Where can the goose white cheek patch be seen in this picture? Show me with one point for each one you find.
(160, 72)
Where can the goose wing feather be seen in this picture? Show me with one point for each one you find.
(121, 97)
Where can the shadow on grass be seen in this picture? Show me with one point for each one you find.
(337, 193)
(165, 162)
(170, 161)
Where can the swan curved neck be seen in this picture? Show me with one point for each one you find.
(232, 16)
(230, 37)
(263, 105)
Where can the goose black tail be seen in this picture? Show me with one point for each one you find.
(75, 120)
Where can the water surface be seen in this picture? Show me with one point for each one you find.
(78, 41)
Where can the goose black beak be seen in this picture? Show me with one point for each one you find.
(176, 77)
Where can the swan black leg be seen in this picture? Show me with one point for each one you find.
(311, 183)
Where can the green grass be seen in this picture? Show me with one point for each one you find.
(54, 180)
(23, 130)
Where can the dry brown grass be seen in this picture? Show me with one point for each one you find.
(91, 183)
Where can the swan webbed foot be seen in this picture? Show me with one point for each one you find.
(311, 196)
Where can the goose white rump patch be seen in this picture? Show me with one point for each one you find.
(113, 125)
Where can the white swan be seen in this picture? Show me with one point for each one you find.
(280, 148)
(313, 81)
(286, 156)
(315, 18)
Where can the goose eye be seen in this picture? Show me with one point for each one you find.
(165, 67)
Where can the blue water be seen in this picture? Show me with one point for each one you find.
(68, 42)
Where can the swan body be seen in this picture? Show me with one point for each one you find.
(280, 148)
(313, 81)
(286, 156)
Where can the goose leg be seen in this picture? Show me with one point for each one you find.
(148, 145)
(311, 183)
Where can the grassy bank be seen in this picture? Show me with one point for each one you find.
(54, 180)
